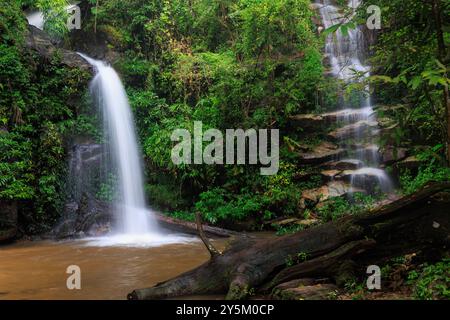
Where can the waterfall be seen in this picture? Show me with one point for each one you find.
(359, 123)
(36, 18)
(133, 218)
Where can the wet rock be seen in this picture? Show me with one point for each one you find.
(90, 217)
(368, 179)
(83, 211)
(322, 121)
(360, 128)
(345, 164)
(329, 175)
(330, 190)
(368, 153)
(324, 152)
(38, 41)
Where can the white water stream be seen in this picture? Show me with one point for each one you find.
(345, 53)
(135, 222)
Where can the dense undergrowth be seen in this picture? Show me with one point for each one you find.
(35, 119)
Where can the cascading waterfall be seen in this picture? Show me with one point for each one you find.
(360, 127)
(136, 225)
(106, 87)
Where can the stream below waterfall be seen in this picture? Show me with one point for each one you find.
(37, 270)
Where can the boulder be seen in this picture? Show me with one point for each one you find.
(330, 190)
(391, 154)
(368, 179)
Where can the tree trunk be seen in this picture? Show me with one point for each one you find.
(414, 222)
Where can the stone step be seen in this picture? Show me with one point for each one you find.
(311, 120)
(326, 151)
(360, 128)
(344, 164)
(330, 175)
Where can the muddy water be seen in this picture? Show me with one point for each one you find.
(37, 270)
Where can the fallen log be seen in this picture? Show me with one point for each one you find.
(417, 221)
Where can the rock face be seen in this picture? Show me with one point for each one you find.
(8, 220)
(83, 212)
(38, 41)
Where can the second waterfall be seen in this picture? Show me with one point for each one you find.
(359, 127)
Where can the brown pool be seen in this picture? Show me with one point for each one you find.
(37, 270)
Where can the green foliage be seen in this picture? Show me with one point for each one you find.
(35, 118)
(296, 259)
(283, 230)
(182, 215)
(337, 207)
(216, 205)
(165, 197)
(15, 166)
(227, 63)
(55, 16)
(432, 169)
(408, 67)
(355, 288)
(216, 62)
(426, 174)
(431, 281)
